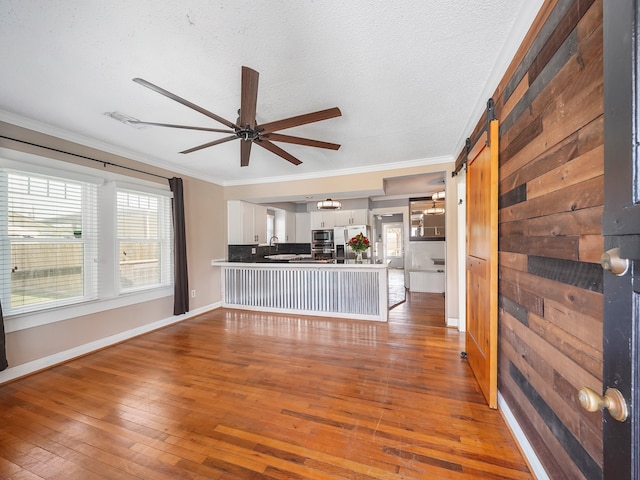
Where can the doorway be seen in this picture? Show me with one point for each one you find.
(392, 245)
(393, 256)
(390, 233)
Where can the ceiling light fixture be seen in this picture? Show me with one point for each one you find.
(434, 210)
(438, 196)
(329, 204)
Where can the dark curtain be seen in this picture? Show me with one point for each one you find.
(181, 279)
(3, 351)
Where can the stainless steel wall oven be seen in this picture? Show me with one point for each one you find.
(322, 246)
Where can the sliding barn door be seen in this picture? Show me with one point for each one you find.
(482, 262)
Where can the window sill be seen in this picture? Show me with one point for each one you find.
(44, 317)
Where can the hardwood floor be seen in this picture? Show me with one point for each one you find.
(242, 395)
(397, 290)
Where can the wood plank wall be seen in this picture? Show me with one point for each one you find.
(550, 107)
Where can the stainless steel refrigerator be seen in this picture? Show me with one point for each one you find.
(341, 235)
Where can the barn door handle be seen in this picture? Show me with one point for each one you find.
(611, 262)
(612, 401)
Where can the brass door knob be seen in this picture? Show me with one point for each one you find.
(612, 400)
(611, 262)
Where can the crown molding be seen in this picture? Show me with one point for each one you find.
(421, 162)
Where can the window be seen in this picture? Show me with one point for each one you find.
(143, 240)
(69, 238)
(49, 231)
(271, 225)
(392, 240)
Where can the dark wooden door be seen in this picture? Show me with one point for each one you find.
(621, 228)
(482, 262)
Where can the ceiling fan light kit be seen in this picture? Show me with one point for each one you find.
(245, 128)
(329, 204)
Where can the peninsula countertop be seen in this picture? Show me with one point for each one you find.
(304, 263)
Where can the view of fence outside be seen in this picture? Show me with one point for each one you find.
(42, 272)
(52, 241)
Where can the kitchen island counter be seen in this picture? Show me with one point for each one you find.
(342, 290)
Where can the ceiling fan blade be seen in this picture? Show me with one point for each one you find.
(245, 152)
(186, 127)
(278, 137)
(184, 102)
(278, 151)
(249, 97)
(300, 120)
(210, 144)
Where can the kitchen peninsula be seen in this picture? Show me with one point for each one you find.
(300, 285)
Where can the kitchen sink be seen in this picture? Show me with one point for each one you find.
(288, 256)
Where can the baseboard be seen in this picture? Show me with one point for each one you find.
(529, 454)
(452, 322)
(12, 373)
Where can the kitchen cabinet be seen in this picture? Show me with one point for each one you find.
(285, 226)
(303, 227)
(322, 219)
(344, 218)
(290, 228)
(247, 223)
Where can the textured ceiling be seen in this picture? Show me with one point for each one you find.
(410, 76)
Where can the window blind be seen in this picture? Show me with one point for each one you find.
(67, 240)
(144, 240)
(48, 235)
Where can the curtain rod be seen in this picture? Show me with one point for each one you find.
(103, 162)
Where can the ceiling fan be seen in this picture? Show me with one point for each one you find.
(245, 128)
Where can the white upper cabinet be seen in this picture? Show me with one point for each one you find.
(290, 228)
(259, 224)
(285, 226)
(247, 223)
(351, 217)
(360, 217)
(303, 227)
(321, 219)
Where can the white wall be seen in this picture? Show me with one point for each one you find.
(420, 255)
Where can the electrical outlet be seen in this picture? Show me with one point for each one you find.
(193, 294)
(253, 251)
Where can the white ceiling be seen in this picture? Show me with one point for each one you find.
(411, 77)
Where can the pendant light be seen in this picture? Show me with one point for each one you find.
(438, 196)
(434, 210)
(329, 204)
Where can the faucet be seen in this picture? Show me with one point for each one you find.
(273, 241)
